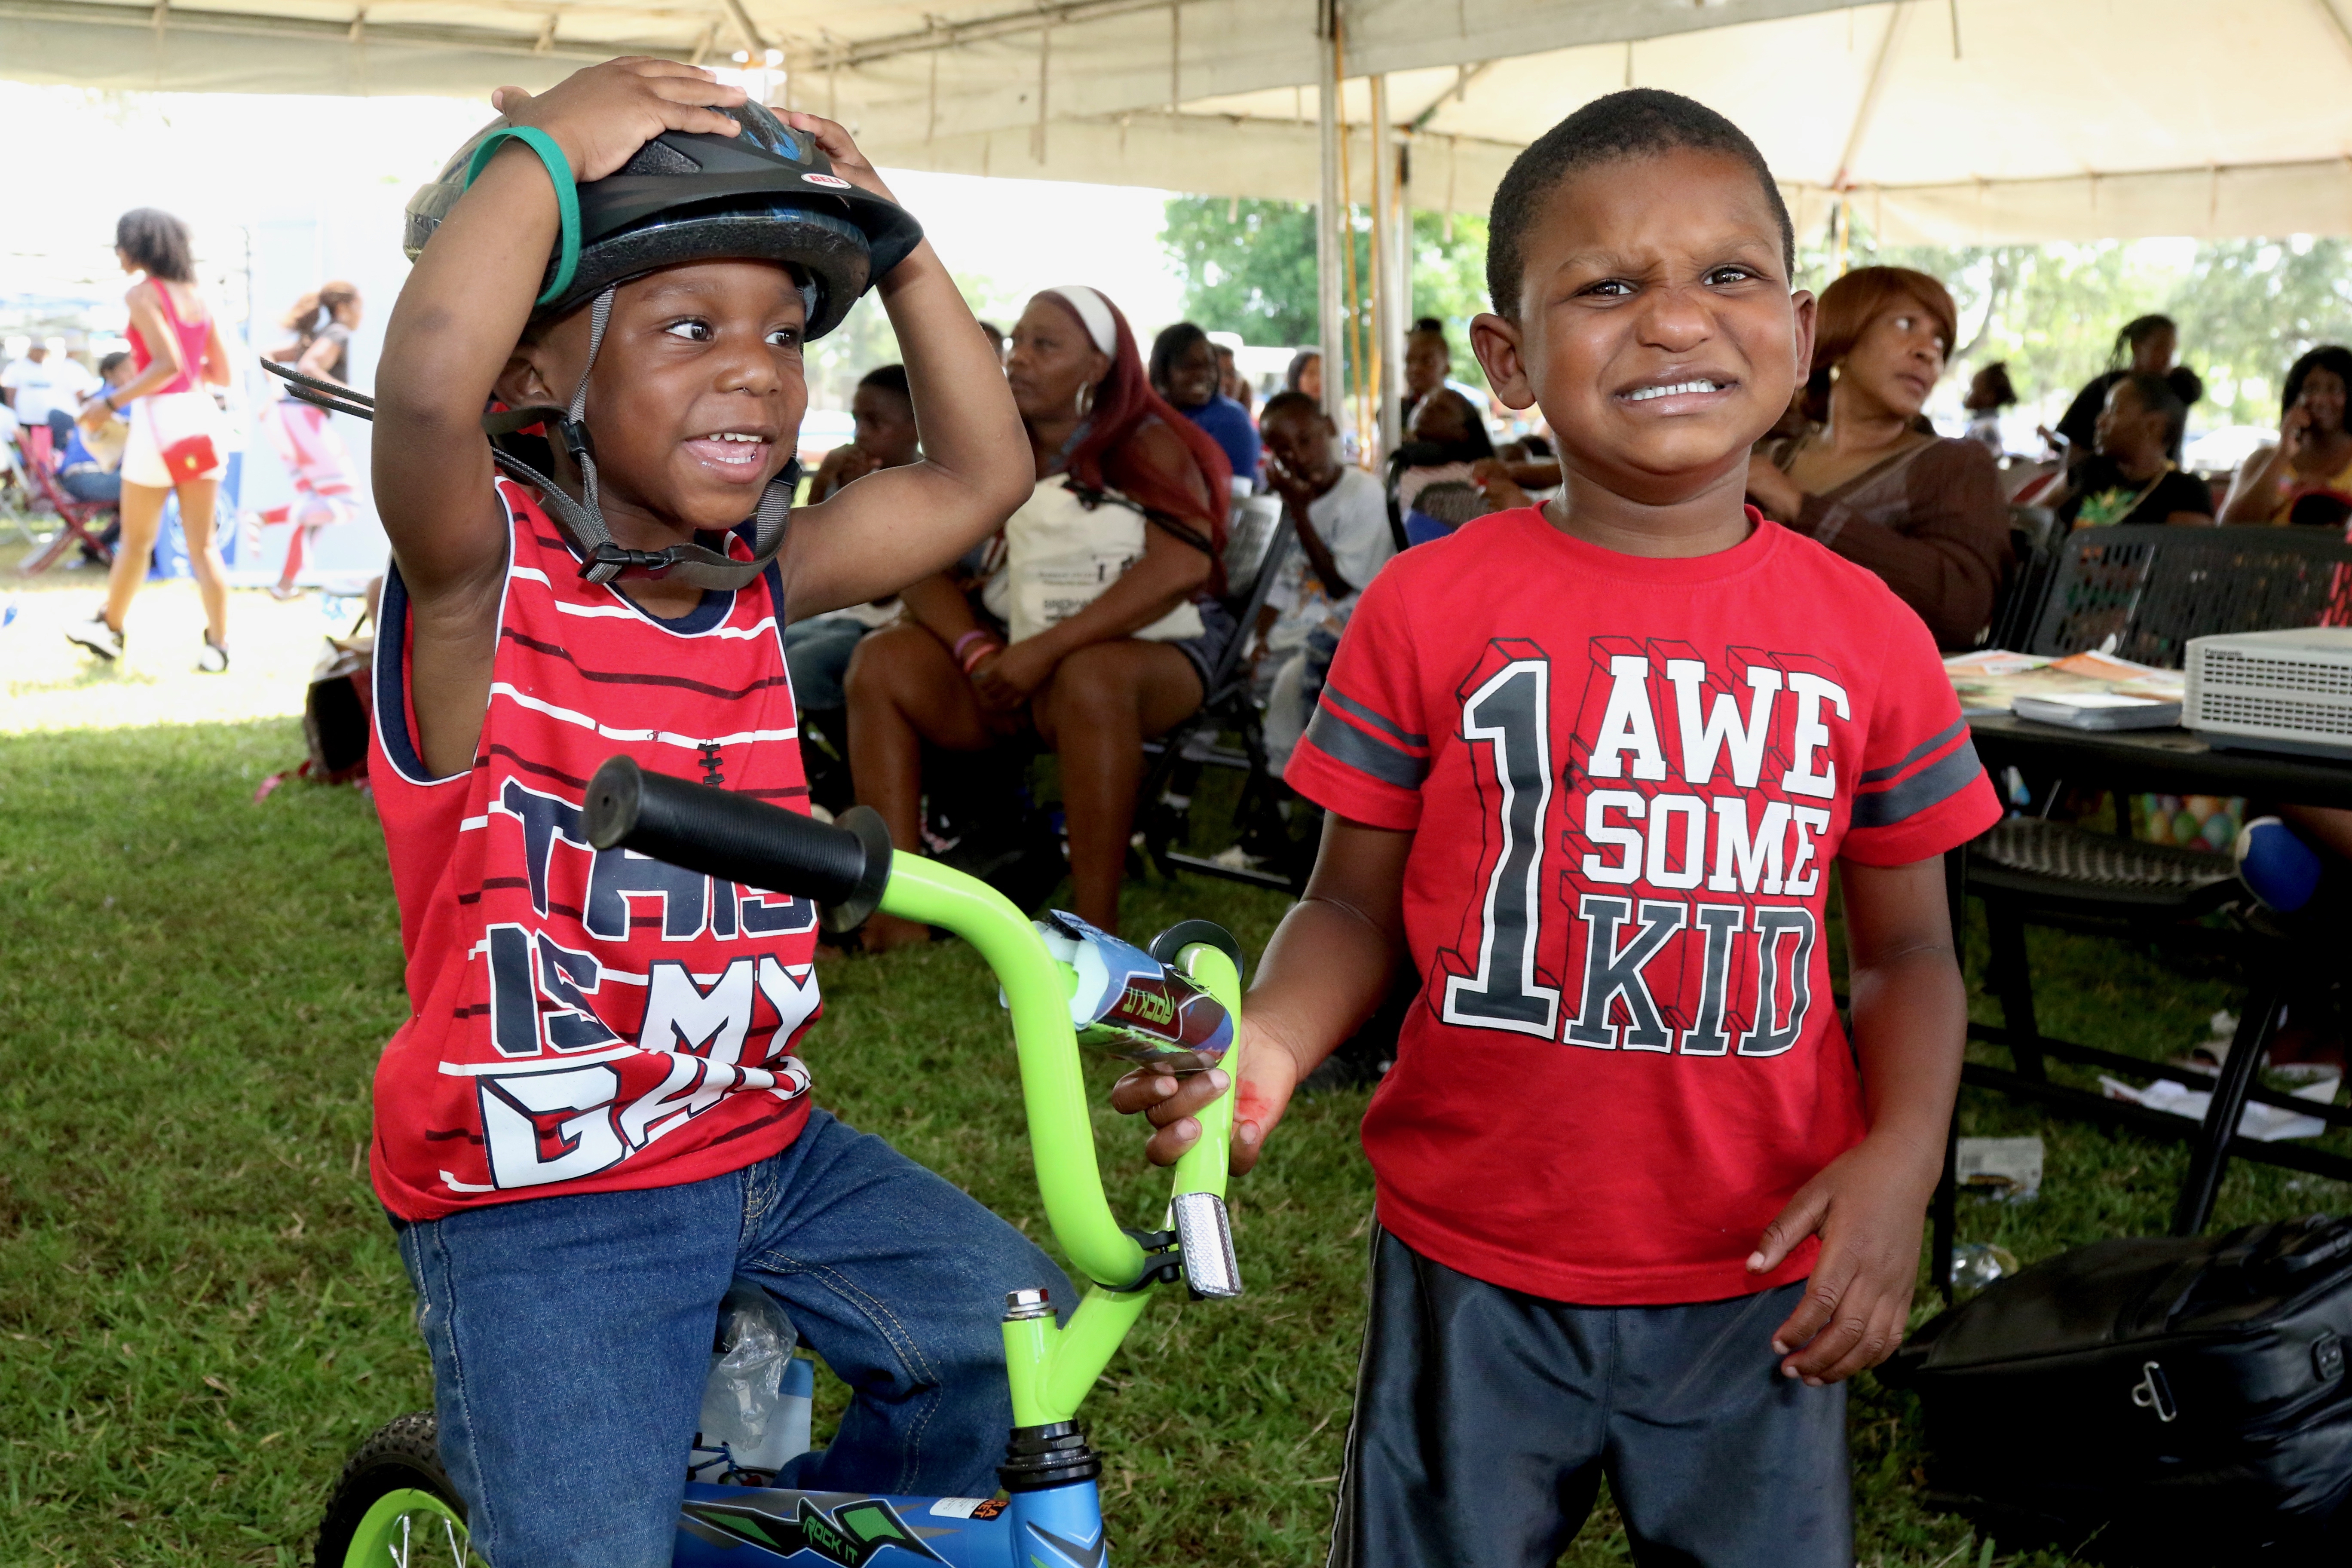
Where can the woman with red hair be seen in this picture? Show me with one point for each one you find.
(1090, 659)
(1869, 477)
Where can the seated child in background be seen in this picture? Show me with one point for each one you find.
(2130, 480)
(592, 1121)
(818, 649)
(1433, 472)
(1640, 1209)
(90, 465)
(1990, 392)
(1342, 529)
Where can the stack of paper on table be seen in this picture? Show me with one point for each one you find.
(1991, 680)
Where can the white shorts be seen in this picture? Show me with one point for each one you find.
(161, 418)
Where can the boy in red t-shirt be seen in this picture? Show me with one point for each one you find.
(1587, 767)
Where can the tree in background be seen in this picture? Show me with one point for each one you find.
(1249, 267)
(2250, 306)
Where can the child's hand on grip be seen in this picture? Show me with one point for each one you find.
(1269, 1075)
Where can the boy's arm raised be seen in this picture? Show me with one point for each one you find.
(466, 302)
(1325, 972)
(1910, 1022)
(451, 334)
(874, 537)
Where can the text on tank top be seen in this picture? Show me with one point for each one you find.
(587, 1020)
(191, 336)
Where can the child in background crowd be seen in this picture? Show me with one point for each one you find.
(1185, 370)
(818, 649)
(90, 468)
(1342, 526)
(1641, 1209)
(1990, 392)
(303, 434)
(592, 1122)
(2130, 480)
(1433, 474)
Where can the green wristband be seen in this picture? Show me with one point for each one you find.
(567, 198)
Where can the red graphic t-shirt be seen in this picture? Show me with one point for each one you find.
(586, 1020)
(1626, 780)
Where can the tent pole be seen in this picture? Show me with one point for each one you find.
(1330, 214)
(1389, 303)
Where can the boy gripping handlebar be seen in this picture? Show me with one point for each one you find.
(593, 1120)
(1587, 768)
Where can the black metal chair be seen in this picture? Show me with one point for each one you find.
(2142, 594)
(2033, 541)
(1224, 731)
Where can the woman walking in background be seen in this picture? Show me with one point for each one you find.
(304, 433)
(176, 430)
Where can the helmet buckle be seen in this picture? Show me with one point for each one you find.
(608, 561)
(576, 439)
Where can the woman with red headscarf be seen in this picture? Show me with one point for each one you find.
(1092, 678)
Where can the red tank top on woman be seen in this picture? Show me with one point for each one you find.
(586, 1020)
(192, 335)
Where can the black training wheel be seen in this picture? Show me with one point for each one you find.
(395, 1506)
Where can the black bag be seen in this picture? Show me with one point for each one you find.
(2169, 1398)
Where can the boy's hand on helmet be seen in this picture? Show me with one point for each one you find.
(601, 115)
(848, 161)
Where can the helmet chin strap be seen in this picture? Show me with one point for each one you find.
(582, 525)
(583, 521)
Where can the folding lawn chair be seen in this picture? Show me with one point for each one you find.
(2143, 593)
(1261, 540)
(80, 522)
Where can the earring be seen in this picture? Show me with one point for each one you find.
(1086, 399)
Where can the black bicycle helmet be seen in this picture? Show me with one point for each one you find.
(768, 192)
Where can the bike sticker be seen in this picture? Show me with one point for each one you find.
(1129, 1004)
(850, 1535)
(962, 1507)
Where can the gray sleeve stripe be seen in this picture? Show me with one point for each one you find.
(1379, 722)
(1929, 787)
(1934, 742)
(1343, 742)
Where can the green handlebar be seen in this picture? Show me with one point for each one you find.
(1061, 1133)
(1052, 1367)
(1204, 1166)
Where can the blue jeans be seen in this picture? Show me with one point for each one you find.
(817, 654)
(93, 486)
(570, 1338)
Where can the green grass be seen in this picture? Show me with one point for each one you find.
(203, 1312)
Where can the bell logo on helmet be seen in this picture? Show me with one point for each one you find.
(831, 182)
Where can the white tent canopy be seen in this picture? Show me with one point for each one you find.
(1950, 121)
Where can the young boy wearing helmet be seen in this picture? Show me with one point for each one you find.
(592, 1121)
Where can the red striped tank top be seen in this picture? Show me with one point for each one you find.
(583, 1020)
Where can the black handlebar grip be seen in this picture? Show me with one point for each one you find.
(843, 867)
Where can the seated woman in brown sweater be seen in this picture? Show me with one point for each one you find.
(1924, 512)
